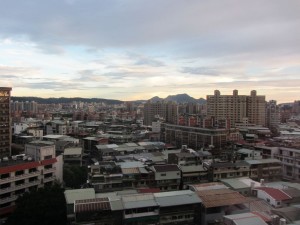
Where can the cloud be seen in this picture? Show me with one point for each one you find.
(206, 71)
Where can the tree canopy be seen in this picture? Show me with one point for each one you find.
(45, 206)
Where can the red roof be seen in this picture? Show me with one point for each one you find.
(277, 194)
(26, 165)
(92, 205)
(48, 161)
(17, 167)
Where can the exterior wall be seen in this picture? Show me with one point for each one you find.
(263, 195)
(40, 152)
(23, 177)
(20, 127)
(196, 137)
(36, 132)
(59, 168)
(237, 107)
(167, 175)
(166, 110)
(290, 159)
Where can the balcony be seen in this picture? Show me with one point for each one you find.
(27, 184)
(19, 177)
(6, 190)
(50, 170)
(48, 179)
(8, 199)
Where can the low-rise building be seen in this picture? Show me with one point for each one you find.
(26, 172)
(266, 169)
(167, 177)
(73, 156)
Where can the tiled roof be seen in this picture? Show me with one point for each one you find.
(130, 170)
(88, 205)
(166, 168)
(220, 197)
(277, 194)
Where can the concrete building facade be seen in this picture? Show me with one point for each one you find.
(236, 107)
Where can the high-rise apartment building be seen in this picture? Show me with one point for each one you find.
(5, 121)
(236, 108)
(273, 114)
(168, 111)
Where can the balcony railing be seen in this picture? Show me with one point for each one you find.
(19, 177)
(27, 184)
(5, 190)
(50, 170)
(47, 179)
(8, 199)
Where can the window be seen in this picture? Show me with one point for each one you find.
(163, 174)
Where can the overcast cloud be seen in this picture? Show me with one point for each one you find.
(137, 49)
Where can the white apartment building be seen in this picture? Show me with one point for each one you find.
(26, 172)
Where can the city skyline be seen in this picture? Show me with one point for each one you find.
(132, 50)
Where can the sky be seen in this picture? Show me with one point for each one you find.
(138, 49)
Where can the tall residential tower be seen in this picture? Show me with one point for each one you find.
(5, 121)
(236, 108)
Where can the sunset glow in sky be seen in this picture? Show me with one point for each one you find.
(137, 49)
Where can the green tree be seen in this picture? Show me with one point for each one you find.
(45, 206)
(75, 176)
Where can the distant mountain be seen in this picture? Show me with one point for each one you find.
(65, 100)
(156, 99)
(180, 98)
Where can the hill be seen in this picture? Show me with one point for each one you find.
(65, 100)
(180, 98)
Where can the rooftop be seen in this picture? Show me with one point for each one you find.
(139, 201)
(275, 193)
(174, 198)
(220, 197)
(245, 219)
(166, 168)
(73, 151)
(91, 205)
(79, 194)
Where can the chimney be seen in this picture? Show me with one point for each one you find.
(252, 185)
(275, 220)
(282, 221)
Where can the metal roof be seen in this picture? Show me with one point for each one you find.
(79, 194)
(245, 219)
(192, 168)
(91, 205)
(262, 161)
(240, 183)
(73, 151)
(138, 201)
(174, 198)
